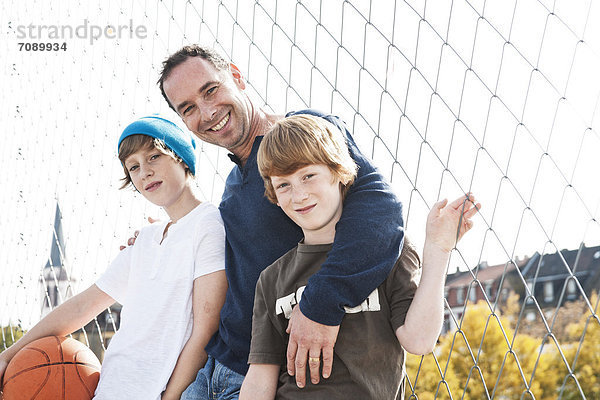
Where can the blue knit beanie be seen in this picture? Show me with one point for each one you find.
(182, 143)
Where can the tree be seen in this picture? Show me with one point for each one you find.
(482, 359)
(582, 354)
(9, 335)
(425, 376)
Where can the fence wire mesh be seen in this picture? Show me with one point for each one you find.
(498, 98)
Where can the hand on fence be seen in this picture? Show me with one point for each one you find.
(444, 219)
(131, 240)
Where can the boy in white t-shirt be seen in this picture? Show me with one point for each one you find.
(172, 284)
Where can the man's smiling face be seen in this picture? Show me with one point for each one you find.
(211, 102)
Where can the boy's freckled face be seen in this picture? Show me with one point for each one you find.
(157, 176)
(312, 198)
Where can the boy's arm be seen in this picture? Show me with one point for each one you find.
(367, 244)
(63, 320)
(267, 347)
(208, 298)
(260, 382)
(425, 315)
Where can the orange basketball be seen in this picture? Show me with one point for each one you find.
(52, 368)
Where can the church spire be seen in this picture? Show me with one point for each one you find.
(57, 250)
(56, 285)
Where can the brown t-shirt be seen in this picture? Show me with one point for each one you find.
(368, 360)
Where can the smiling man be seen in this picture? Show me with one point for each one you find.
(208, 94)
(211, 102)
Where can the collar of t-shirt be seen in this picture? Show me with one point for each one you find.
(180, 224)
(313, 248)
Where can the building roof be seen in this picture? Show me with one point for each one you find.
(579, 261)
(482, 272)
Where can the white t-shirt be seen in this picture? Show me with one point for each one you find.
(154, 283)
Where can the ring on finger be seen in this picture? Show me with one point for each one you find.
(314, 360)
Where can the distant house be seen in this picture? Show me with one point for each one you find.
(556, 278)
(552, 278)
(482, 283)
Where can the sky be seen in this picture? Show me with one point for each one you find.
(500, 98)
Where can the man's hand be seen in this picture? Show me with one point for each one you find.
(308, 339)
(131, 240)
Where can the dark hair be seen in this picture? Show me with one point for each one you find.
(180, 56)
(134, 143)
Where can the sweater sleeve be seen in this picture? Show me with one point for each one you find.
(368, 240)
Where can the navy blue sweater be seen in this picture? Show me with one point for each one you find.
(367, 243)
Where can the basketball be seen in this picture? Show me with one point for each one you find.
(52, 368)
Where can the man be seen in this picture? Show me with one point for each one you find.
(208, 94)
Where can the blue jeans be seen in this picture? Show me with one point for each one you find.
(214, 382)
